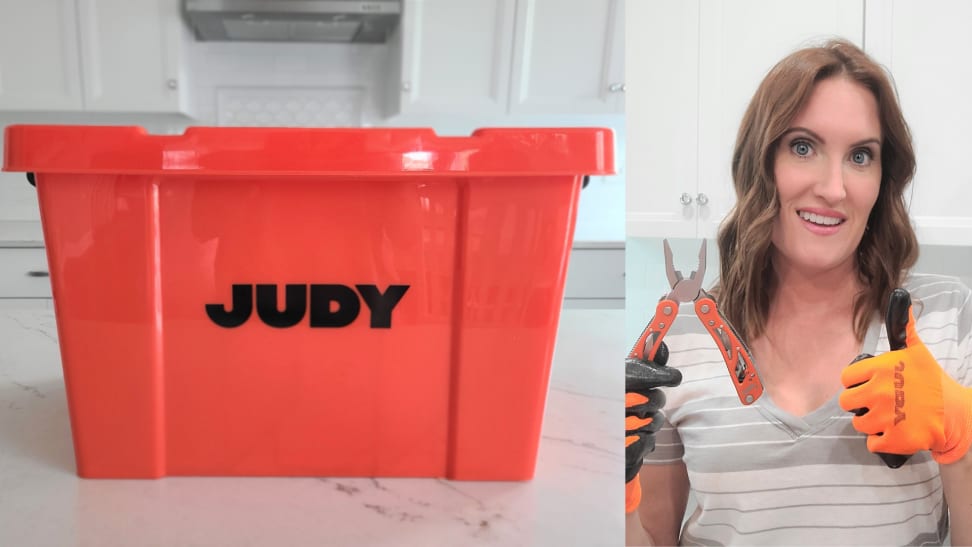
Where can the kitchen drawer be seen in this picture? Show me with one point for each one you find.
(595, 276)
(23, 273)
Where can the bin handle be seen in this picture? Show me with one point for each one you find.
(30, 179)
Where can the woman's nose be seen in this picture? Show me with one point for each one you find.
(830, 183)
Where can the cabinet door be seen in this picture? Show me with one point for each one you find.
(661, 117)
(23, 273)
(39, 67)
(595, 276)
(456, 56)
(130, 55)
(739, 46)
(926, 45)
(568, 57)
(691, 69)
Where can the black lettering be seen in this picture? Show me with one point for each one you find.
(294, 308)
(321, 297)
(381, 305)
(899, 416)
(242, 308)
(899, 395)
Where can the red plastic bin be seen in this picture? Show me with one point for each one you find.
(315, 302)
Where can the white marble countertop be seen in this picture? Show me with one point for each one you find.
(575, 498)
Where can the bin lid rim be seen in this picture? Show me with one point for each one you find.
(497, 151)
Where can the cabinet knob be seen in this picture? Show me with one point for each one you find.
(702, 199)
(617, 88)
(406, 87)
(686, 199)
(172, 83)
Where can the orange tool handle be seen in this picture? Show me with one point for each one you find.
(651, 338)
(738, 359)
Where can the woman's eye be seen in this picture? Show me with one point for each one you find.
(861, 157)
(801, 148)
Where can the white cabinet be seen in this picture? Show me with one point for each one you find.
(130, 55)
(455, 56)
(662, 114)
(697, 66)
(568, 56)
(94, 55)
(488, 58)
(595, 275)
(926, 45)
(39, 67)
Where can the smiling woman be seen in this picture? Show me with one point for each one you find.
(810, 257)
(827, 180)
(808, 130)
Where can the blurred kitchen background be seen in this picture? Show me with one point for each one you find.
(713, 54)
(452, 65)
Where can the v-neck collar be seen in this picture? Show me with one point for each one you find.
(820, 417)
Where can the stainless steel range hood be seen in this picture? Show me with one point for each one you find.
(368, 21)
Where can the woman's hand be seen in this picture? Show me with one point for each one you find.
(912, 404)
(643, 402)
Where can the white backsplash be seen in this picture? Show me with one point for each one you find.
(287, 107)
(646, 282)
(268, 72)
(944, 260)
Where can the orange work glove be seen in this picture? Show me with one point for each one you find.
(912, 404)
(642, 415)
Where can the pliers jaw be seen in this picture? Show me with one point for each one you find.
(684, 290)
(734, 352)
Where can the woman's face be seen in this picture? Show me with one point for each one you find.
(828, 174)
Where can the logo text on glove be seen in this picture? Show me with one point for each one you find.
(899, 397)
(330, 305)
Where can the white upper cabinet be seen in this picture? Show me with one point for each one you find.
(741, 41)
(39, 67)
(568, 57)
(498, 57)
(455, 56)
(661, 118)
(691, 70)
(926, 45)
(130, 55)
(95, 55)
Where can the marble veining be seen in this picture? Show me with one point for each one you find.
(575, 498)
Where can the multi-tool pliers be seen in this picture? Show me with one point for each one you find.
(737, 356)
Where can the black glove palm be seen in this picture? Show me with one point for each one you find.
(643, 404)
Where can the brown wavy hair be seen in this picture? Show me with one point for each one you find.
(889, 246)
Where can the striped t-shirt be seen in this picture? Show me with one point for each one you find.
(763, 476)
